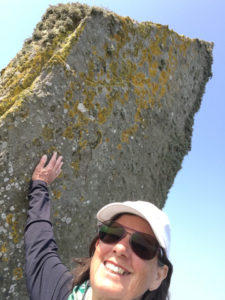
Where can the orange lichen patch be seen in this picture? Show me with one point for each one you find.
(154, 88)
(113, 68)
(94, 50)
(69, 132)
(151, 101)
(153, 69)
(72, 110)
(66, 106)
(89, 97)
(184, 46)
(162, 92)
(47, 133)
(126, 134)
(119, 147)
(155, 49)
(56, 213)
(144, 29)
(23, 76)
(83, 144)
(144, 56)
(126, 95)
(91, 73)
(56, 194)
(172, 62)
(139, 79)
(163, 78)
(104, 113)
(5, 259)
(3, 248)
(69, 95)
(76, 166)
(137, 116)
(122, 36)
(141, 92)
(17, 273)
(51, 149)
(10, 219)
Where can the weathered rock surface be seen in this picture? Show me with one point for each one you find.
(116, 98)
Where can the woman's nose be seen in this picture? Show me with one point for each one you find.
(122, 247)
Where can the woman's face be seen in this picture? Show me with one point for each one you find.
(116, 272)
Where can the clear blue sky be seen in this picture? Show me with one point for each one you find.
(196, 202)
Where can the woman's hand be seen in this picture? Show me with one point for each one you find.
(49, 172)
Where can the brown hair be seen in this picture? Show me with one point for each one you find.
(82, 272)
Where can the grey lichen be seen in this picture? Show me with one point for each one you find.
(57, 20)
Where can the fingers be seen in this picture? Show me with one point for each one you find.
(58, 166)
(49, 172)
(43, 161)
(55, 163)
(52, 161)
(58, 162)
(54, 167)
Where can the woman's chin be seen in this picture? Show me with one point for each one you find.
(108, 283)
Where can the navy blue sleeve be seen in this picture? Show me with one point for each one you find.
(47, 278)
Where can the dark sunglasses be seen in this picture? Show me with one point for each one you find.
(143, 245)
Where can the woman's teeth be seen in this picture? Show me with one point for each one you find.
(115, 269)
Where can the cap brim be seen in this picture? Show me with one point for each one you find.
(112, 209)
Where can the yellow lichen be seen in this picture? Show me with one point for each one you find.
(83, 144)
(153, 69)
(52, 149)
(10, 219)
(56, 194)
(119, 147)
(184, 46)
(21, 74)
(126, 134)
(69, 132)
(76, 166)
(17, 273)
(47, 133)
(5, 259)
(69, 95)
(3, 248)
(56, 213)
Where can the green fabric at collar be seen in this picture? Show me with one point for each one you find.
(79, 291)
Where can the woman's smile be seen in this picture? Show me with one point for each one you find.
(115, 268)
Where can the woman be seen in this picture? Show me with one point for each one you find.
(128, 259)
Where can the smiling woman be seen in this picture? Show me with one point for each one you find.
(128, 259)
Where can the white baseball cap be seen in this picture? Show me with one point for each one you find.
(156, 218)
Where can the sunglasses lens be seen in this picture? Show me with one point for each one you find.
(110, 234)
(144, 245)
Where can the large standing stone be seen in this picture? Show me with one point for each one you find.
(116, 98)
